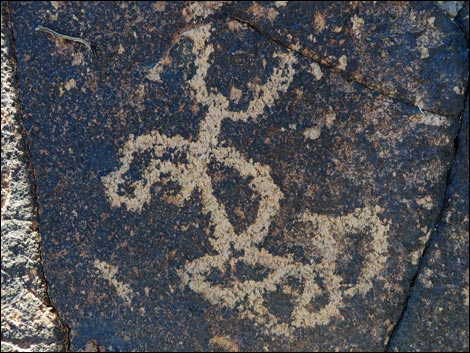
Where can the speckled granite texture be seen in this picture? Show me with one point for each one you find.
(28, 320)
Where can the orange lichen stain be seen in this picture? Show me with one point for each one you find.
(239, 212)
(195, 109)
(167, 61)
(309, 53)
(298, 94)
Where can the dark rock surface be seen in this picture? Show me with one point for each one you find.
(437, 312)
(463, 20)
(206, 184)
(394, 49)
(436, 317)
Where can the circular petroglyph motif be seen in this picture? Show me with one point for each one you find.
(298, 280)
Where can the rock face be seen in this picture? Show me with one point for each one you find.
(436, 317)
(438, 312)
(396, 53)
(246, 176)
(28, 322)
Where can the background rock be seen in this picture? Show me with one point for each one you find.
(28, 320)
(436, 315)
(436, 318)
(396, 54)
(246, 176)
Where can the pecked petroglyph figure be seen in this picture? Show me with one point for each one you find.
(248, 297)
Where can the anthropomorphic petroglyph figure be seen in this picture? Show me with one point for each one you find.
(248, 296)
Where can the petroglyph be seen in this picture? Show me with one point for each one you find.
(248, 297)
(108, 272)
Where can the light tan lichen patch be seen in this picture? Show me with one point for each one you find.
(198, 9)
(108, 272)
(68, 85)
(465, 289)
(425, 202)
(459, 90)
(416, 255)
(426, 278)
(55, 4)
(236, 26)
(319, 22)
(78, 58)
(358, 23)
(248, 297)
(224, 342)
(342, 63)
(330, 117)
(279, 4)
(312, 133)
(337, 29)
(260, 11)
(315, 70)
(159, 6)
(272, 14)
(431, 37)
(424, 52)
(430, 119)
